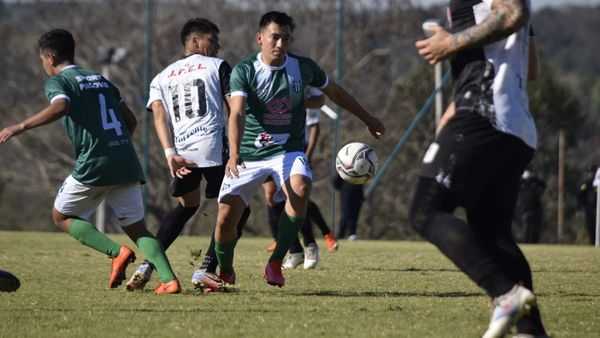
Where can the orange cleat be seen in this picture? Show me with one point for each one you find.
(118, 266)
(332, 244)
(168, 288)
(273, 274)
(271, 247)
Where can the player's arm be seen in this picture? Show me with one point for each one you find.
(448, 114)
(505, 18)
(57, 109)
(175, 162)
(338, 95)
(128, 117)
(533, 71)
(236, 124)
(314, 131)
(315, 102)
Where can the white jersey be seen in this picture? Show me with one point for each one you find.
(493, 78)
(192, 91)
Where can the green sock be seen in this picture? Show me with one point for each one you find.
(224, 253)
(287, 233)
(89, 236)
(154, 252)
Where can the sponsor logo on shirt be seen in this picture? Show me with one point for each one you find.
(278, 112)
(186, 70)
(265, 139)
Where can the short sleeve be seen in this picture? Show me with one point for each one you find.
(312, 116)
(224, 77)
(55, 89)
(155, 93)
(319, 78)
(238, 83)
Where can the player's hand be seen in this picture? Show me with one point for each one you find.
(177, 165)
(375, 127)
(231, 168)
(9, 132)
(437, 48)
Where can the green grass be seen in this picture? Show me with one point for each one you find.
(366, 289)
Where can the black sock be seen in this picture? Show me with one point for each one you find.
(314, 213)
(274, 216)
(308, 236)
(296, 247)
(173, 223)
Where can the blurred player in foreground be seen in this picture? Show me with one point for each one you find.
(477, 159)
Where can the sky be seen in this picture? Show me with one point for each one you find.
(537, 4)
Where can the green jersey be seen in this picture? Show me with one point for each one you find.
(275, 113)
(104, 150)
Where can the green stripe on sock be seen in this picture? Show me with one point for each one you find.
(224, 253)
(154, 252)
(286, 234)
(89, 236)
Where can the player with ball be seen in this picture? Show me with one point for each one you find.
(266, 137)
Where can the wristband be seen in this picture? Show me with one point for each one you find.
(170, 151)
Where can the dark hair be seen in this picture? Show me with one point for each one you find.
(199, 25)
(592, 167)
(61, 43)
(279, 18)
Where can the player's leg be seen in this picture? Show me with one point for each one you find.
(74, 204)
(314, 214)
(205, 278)
(231, 208)
(187, 191)
(491, 218)
(274, 209)
(353, 206)
(126, 201)
(295, 178)
(311, 249)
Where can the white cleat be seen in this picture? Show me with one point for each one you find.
(293, 260)
(311, 256)
(508, 308)
(140, 277)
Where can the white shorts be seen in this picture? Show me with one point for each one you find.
(280, 167)
(80, 200)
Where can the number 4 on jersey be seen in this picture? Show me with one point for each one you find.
(109, 119)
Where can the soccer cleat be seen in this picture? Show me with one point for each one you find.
(204, 280)
(118, 266)
(271, 247)
(273, 274)
(508, 308)
(293, 260)
(168, 288)
(311, 256)
(353, 237)
(140, 277)
(332, 244)
(228, 278)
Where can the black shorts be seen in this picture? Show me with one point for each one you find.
(470, 155)
(191, 181)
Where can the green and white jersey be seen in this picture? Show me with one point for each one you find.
(275, 114)
(104, 151)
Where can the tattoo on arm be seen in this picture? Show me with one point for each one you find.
(505, 18)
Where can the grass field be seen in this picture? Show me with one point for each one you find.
(366, 289)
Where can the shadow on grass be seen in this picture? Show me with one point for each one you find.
(413, 270)
(333, 293)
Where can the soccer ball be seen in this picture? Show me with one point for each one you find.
(356, 163)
